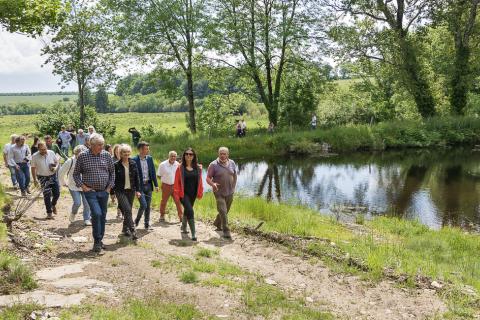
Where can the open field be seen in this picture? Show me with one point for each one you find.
(35, 99)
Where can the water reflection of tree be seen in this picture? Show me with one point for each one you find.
(414, 178)
(271, 174)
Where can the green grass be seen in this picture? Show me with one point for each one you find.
(171, 134)
(40, 99)
(399, 246)
(15, 276)
(146, 309)
(257, 298)
(19, 311)
(188, 277)
(206, 253)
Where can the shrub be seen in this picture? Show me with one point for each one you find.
(51, 121)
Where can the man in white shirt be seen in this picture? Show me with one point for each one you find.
(7, 146)
(19, 156)
(44, 166)
(166, 172)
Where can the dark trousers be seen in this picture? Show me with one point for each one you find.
(188, 202)
(125, 203)
(51, 191)
(23, 176)
(145, 201)
(98, 201)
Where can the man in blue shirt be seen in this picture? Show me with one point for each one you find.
(148, 180)
(66, 138)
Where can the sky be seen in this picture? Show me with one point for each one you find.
(21, 66)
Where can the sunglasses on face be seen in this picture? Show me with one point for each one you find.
(189, 154)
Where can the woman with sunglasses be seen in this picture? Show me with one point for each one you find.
(188, 186)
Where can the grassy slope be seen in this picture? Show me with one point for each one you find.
(402, 247)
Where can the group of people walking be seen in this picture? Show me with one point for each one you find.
(93, 175)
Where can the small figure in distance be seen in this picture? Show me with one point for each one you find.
(135, 136)
(313, 122)
(271, 128)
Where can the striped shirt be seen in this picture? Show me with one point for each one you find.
(94, 171)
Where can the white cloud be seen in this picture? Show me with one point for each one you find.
(21, 66)
(20, 54)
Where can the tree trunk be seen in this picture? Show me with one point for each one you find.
(414, 81)
(81, 103)
(460, 78)
(191, 102)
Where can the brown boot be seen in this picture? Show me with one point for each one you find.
(54, 209)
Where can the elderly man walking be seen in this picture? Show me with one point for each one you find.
(94, 173)
(19, 156)
(166, 172)
(44, 166)
(222, 177)
(6, 148)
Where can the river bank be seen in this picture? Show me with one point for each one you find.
(251, 276)
(430, 133)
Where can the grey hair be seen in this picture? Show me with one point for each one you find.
(79, 149)
(13, 136)
(92, 127)
(171, 153)
(96, 138)
(80, 130)
(223, 149)
(125, 147)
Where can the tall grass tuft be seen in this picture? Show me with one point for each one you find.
(15, 276)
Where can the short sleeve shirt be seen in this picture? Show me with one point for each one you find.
(42, 163)
(224, 175)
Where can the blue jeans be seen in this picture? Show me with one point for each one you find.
(79, 197)
(98, 201)
(23, 176)
(13, 175)
(145, 200)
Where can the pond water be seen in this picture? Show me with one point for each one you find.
(437, 187)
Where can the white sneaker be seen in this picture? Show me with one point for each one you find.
(88, 223)
(71, 217)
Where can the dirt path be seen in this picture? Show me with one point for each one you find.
(152, 267)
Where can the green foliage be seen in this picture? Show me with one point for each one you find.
(82, 50)
(15, 276)
(101, 100)
(300, 95)
(280, 33)
(29, 16)
(51, 121)
(212, 117)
